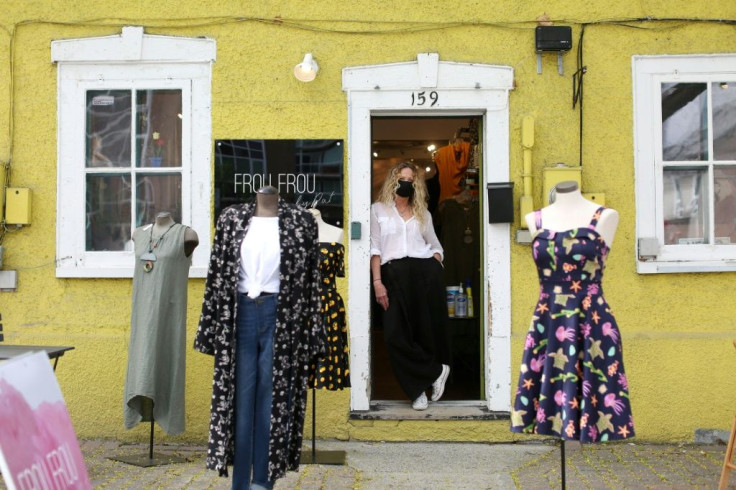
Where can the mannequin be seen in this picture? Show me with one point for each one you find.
(261, 320)
(155, 379)
(332, 371)
(327, 232)
(571, 210)
(572, 381)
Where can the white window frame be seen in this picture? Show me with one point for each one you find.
(130, 61)
(648, 73)
(462, 89)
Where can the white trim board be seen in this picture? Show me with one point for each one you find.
(459, 89)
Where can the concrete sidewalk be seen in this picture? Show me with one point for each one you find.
(382, 465)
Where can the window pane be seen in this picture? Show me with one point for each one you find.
(108, 128)
(724, 120)
(156, 193)
(159, 128)
(724, 209)
(108, 212)
(685, 206)
(684, 121)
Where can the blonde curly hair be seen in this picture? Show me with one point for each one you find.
(418, 201)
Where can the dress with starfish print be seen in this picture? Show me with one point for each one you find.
(572, 382)
(332, 372)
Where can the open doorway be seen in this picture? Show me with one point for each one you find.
(448, 150)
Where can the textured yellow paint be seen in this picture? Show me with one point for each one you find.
(676, 328)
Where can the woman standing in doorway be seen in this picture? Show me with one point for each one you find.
(406, 264)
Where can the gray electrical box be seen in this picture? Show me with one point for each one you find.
(8, 280)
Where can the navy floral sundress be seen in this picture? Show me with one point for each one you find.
(572, 382)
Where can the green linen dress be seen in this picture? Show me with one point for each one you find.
(155, 380)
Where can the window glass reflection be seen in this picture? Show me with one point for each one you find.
(684, 122)
(685, 206)
(724, 120)
(156, 193)
(108, 212)
(724, 208)
(158, 131)
(108, 128)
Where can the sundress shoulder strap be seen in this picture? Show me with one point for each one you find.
(596, 217)
(538, 219)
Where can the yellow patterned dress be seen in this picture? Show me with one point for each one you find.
(332, 372)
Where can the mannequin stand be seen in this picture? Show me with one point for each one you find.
(150, 459)
(322, 457)
(562, 462)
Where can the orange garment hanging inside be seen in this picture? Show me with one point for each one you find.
(452, 161)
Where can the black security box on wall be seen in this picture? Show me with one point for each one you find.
(553, 38)
(500, 202)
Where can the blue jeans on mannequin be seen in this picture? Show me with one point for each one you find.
(256, 323)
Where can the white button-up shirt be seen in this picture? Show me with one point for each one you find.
(260, 257)
(393, 238)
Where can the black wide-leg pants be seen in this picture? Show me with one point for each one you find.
(415, 323)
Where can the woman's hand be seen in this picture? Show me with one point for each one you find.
(381, 294)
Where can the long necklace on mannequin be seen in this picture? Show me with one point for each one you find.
(149, 257)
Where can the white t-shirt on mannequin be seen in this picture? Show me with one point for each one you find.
(571, 210)
(327, 232)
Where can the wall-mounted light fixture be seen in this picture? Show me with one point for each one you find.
(307, 70)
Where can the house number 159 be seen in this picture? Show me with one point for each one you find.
(420, 98)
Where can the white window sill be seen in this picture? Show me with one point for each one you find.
(114, 272)
(662, 267)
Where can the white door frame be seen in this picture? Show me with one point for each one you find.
(429, 87)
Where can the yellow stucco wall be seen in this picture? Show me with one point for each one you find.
(676, 328)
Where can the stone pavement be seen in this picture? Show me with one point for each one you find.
(431, 465)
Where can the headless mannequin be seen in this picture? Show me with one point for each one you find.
(571, 210)
(164, 221)
(327, 232)
(267, 202)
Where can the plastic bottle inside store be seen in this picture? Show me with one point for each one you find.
(469, 293)
(461, 303)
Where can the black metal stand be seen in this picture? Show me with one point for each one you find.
(562, 461)
(150, 459)
(322, 457)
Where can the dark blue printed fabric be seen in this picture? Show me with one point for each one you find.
(572, 382)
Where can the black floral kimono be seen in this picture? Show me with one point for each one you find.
(299, 337)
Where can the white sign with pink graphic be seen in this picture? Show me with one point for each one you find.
(38, 446)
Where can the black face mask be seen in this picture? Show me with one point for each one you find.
(406, 189)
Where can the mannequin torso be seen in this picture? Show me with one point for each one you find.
(571, 210)
(164, 221)
(327, 232)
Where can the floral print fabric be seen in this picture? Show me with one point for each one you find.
(572, 382)
(299, 336)
(332, 371)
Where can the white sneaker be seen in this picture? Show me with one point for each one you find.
(420, 403)
(438, 387)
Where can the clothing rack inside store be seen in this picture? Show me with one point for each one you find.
(149, 459)
(320, 457)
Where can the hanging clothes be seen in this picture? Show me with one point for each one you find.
(460, 238)
(332, 372)
(299, 337)
(572, 383)
(452, 160)
(155, 379)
